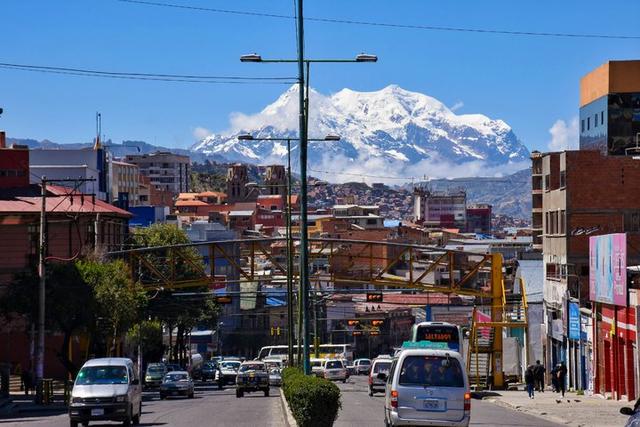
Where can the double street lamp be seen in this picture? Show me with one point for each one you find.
(303, 125)
(290, 250)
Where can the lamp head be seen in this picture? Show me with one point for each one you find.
(252, 57)
(364, 57)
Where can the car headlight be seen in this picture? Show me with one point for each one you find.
(122, 398)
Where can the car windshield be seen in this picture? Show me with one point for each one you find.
(176, 376)
(381, 367)
(252, 367)
(365, 362)
(334, 364)
(230, 365)
(434, 371)
(90, 375)
(209, 365)
(155, 369)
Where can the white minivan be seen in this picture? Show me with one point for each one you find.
(427, 387)
(106, 389)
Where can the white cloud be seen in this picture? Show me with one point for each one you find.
(564, 136)
(201, 133)
(458, 105)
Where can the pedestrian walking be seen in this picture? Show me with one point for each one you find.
(562, 377)
(529, 379)
(554, 379)
(538, 373)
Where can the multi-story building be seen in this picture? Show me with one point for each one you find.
(440, 209)
(166, 171)
(237, 180)
(366, 217)
(125, 184)
(479, 218)
(86, 163)
(578, 195)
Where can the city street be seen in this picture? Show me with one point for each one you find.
(221, 408)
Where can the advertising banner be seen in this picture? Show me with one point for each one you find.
(574, 321)
(608, 269)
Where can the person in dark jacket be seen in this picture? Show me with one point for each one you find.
(538, 373)
(562, 378)
(529, 379)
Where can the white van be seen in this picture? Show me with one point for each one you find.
(106, 389)
(427, 387)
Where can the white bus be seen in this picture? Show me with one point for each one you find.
(327, 351)
(439, 332)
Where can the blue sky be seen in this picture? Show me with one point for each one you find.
(530, 82)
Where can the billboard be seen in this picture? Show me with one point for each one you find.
(574, 321)
(608, 269)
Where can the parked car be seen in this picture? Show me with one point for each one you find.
(208, 371)
(252, 376)
(334, 369)
(378, 365)
(362, 366)
(177, 383)
(227, 372)
(427, 387)
(154, 374)
(274, 367)
(316, 366)
(106, 389)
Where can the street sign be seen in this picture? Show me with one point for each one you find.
(374, 296)
(353, 322)
(377, 322)
(357, 333)
(223, 299)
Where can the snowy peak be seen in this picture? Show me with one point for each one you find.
(402, 132)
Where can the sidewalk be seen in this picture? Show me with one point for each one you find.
(573, 410)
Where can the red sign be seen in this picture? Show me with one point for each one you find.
(218, 282)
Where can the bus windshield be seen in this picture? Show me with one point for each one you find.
(439, 333)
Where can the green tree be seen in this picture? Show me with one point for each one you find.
(119, 301)
(147, 334)
(70, 304)
(180, 264)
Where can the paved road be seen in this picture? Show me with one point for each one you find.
(222, 408)
(209, 407)
(358, 409)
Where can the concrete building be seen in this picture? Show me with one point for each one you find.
(86, 163)
(166, 171)
(365, 217)
(440, 209)
(125, 184)
(237, 180)
(479, 218)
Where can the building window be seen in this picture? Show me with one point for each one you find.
(547, 182)
(563, 179)
(582, 126)
(595, 121)
(632, 221)
(563, 222)
(588, 123)
(601, 117)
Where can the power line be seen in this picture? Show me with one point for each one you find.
(389, 24)
(149, 76)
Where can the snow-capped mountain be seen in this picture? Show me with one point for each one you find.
(391, 132)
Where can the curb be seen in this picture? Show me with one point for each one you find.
(544, 416)
(288, 416)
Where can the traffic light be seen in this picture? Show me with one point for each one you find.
(377, 322)
(278, 331)
(357, 333)
(272, 330)
(374, 296)
(353, 322)
(223, 299)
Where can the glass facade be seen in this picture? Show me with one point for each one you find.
(610, 124)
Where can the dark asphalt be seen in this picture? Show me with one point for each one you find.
(213, 407)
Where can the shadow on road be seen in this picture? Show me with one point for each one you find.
(482, 394)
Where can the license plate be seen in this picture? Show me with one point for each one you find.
(432, 405)
(97, 412)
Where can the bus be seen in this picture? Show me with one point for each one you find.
(326, 351)
(439, 332)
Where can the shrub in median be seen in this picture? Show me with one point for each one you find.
(314, 402)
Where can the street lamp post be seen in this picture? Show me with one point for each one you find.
(289, 237)
(303, 117)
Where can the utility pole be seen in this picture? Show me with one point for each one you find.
(290, 252)
(41, 287)
(304, 267)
